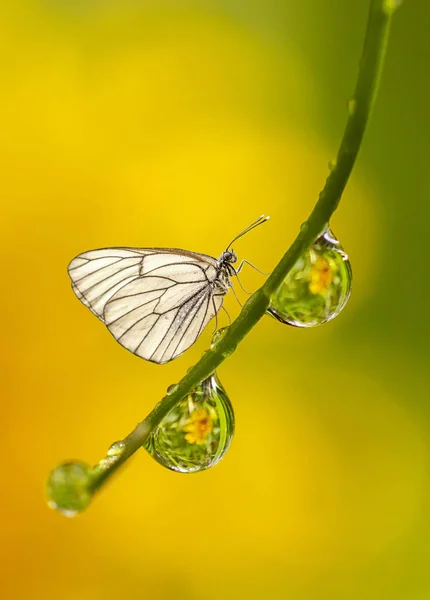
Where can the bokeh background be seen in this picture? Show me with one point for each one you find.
(176, 123)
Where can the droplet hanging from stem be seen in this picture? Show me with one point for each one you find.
(196, 434)
(318, 286)
(68, 488)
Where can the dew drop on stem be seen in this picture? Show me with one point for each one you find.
(116, 449)
(218, 336)
(196, 434)
(318, 286)
(68, 488)
(172, 389)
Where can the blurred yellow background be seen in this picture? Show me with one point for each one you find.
(160, 123)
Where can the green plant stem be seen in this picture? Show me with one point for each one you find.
(360, 107)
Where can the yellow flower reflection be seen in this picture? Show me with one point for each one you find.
(198, 426)
(321, 277)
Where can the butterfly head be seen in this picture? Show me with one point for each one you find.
(225, 264)
(228, 257)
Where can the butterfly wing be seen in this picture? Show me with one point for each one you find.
(96, 275)
(155, 302)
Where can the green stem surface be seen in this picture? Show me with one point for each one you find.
(359, 107)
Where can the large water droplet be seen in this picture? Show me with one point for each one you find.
(318, 286)
(197, 433)
(68, 488)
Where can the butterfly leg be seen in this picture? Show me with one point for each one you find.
(216, 317)
(235, 295)
(226, 312)
(238, 270)
(243, 262)
(241, 286)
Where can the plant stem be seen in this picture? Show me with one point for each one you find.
(359, 107)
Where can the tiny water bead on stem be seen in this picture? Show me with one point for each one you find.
(196, 434)
(113, 455)
(317, 288)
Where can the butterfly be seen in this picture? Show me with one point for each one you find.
(155, 301)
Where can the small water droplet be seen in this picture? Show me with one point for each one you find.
(332, 164)
(116, 449)
(218, 336)
(230, 351)
(172, 388)
(197, 433)
(68, 488)
(390, 6)
(352, 106)
(318, 286)
(304, 226)
(106, 463)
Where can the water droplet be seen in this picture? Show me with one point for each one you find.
(318, 286)
(352, 106)
(205, 353)
(304, 227)
(68, 488)
(390, 6)
(105, 463)
(218, 336)
(172, 388)
(116, 449)
(197, 433)
(230, 351)
(332, 164)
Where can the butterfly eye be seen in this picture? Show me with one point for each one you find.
(229, 256)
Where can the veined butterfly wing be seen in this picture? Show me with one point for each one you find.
(155, 301)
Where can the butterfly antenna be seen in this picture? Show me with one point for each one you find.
(262, 219)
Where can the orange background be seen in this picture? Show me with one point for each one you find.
(176, 124)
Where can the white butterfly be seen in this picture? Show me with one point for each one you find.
(154, 301)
